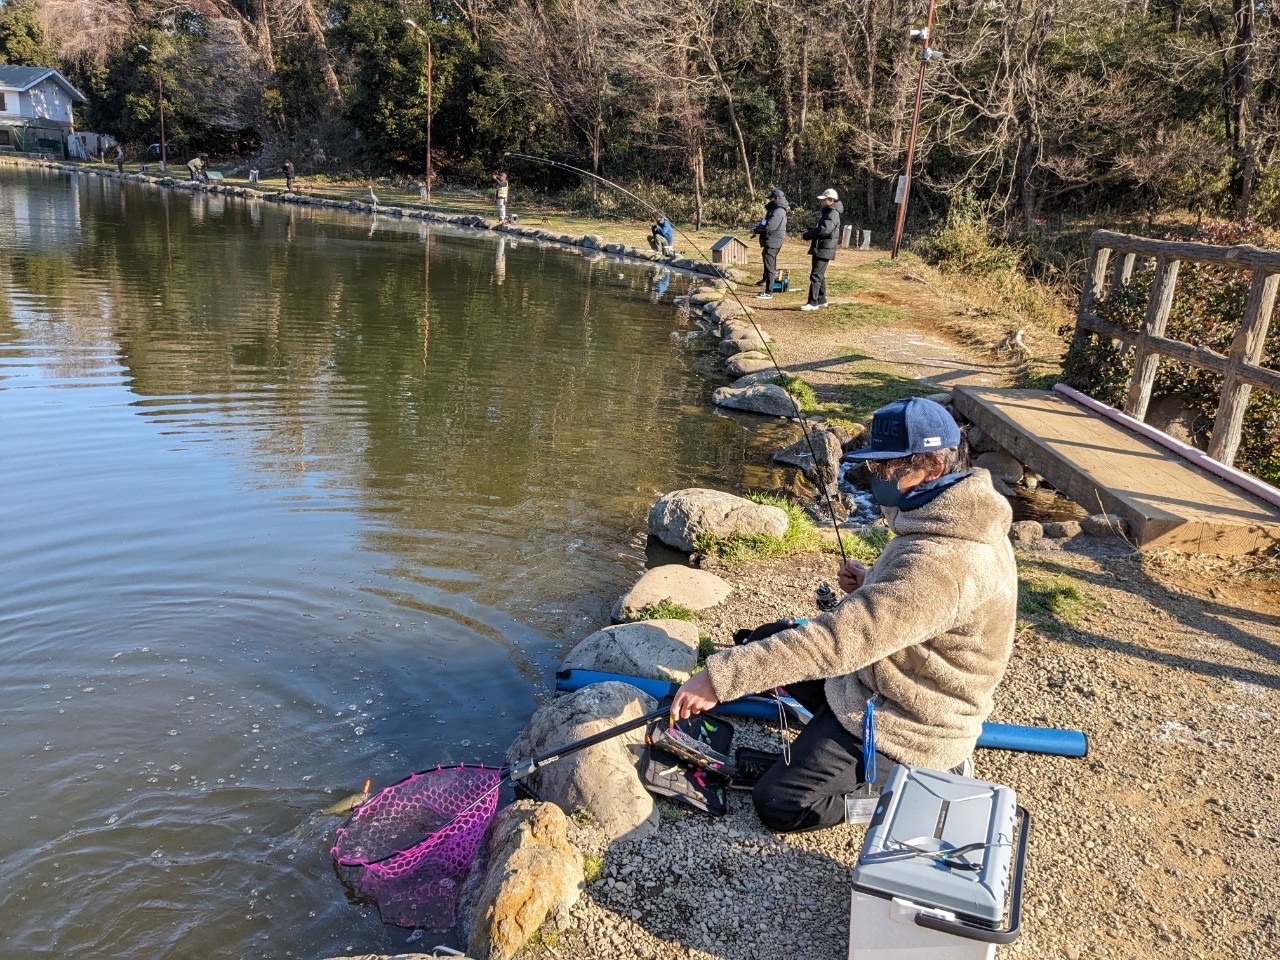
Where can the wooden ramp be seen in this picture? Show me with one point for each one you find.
(1168, 503)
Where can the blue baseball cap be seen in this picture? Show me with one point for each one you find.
(904, 427)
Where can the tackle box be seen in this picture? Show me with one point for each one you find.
(943, 856)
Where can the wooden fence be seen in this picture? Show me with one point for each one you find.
(1241, 368)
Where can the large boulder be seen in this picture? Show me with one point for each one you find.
(766, 398)
(741, 330)
(822, 469)
(601, 779)
(691, 588)
(528, 872)
(750, 344)
(1003, 466)
(743, 363)
(751, 379)
(680, 517)
(725, 309)
(661, 649)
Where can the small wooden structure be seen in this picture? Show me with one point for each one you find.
(729, 250)
(1240, 368)
(1167, 502)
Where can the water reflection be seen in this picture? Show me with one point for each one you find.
(293, 499)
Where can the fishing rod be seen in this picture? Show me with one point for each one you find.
(747, 312)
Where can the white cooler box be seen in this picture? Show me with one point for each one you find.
(934, 873)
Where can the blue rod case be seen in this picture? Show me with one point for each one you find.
(995, 736)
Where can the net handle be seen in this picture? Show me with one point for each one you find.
(522, 768)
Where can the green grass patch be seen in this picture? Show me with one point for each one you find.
(871, 385)
(847, 284)
(801, 537)
(1049, 602)
(662, 610)
(866, 547)
(844, 315)
(706, 647)
(802, 392)
(671, 813)
(592, 867)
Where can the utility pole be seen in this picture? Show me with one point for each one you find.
(926, 55)
(427, 37)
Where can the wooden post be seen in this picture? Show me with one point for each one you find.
(1092, 292)
(1145, 360)
(1122, 271)
(1245, 348)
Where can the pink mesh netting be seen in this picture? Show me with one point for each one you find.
(409, 847)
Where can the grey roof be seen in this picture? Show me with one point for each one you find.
(24, 78)
(724, 242)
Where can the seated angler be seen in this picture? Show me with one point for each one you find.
(662, 235)
(912, 655)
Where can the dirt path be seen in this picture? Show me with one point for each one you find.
(879, 339)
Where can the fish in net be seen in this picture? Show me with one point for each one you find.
(409, 847)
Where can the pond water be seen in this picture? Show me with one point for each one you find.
(292, 499)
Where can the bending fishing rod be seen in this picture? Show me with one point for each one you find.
(747, 312)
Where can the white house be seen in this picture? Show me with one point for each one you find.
(36, 109)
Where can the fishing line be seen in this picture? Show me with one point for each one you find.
(748, 313)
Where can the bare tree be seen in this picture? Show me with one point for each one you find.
(562, 50)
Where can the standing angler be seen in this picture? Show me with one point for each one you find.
(822, 238)
(772, 230)
(502, 185)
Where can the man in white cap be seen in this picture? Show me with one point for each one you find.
(822, 237)
(905, 668)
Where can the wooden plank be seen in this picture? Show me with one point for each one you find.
(1092, 292)
(1147, 360)
(1122, 271)
(1245, 348)
(1199, 356)
(1168, 503)
(1243, 255)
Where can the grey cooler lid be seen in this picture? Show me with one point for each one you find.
(924, 812)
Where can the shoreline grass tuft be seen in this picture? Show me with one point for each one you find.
(803, 394)
(662, 610)
(801, 536)
(1051, 603)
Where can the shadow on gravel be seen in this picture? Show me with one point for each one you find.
(1214, 619)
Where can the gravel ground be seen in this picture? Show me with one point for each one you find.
(1161, 843)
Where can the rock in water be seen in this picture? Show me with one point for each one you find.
(529, 872)
(601, 779)
(766, 398)
(741, 364)
(825, 469)
(680, 517)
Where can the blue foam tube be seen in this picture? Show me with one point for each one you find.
(995, 736)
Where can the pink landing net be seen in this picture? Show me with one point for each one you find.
(408, 848)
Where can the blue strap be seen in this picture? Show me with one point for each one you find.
(869, 741)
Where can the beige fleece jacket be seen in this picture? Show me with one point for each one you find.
(929, 632)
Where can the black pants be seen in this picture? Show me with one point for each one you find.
(826, 763)
(818, 282)
(770, 257)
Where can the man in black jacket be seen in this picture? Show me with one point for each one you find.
(823, 240)
(772, 230)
